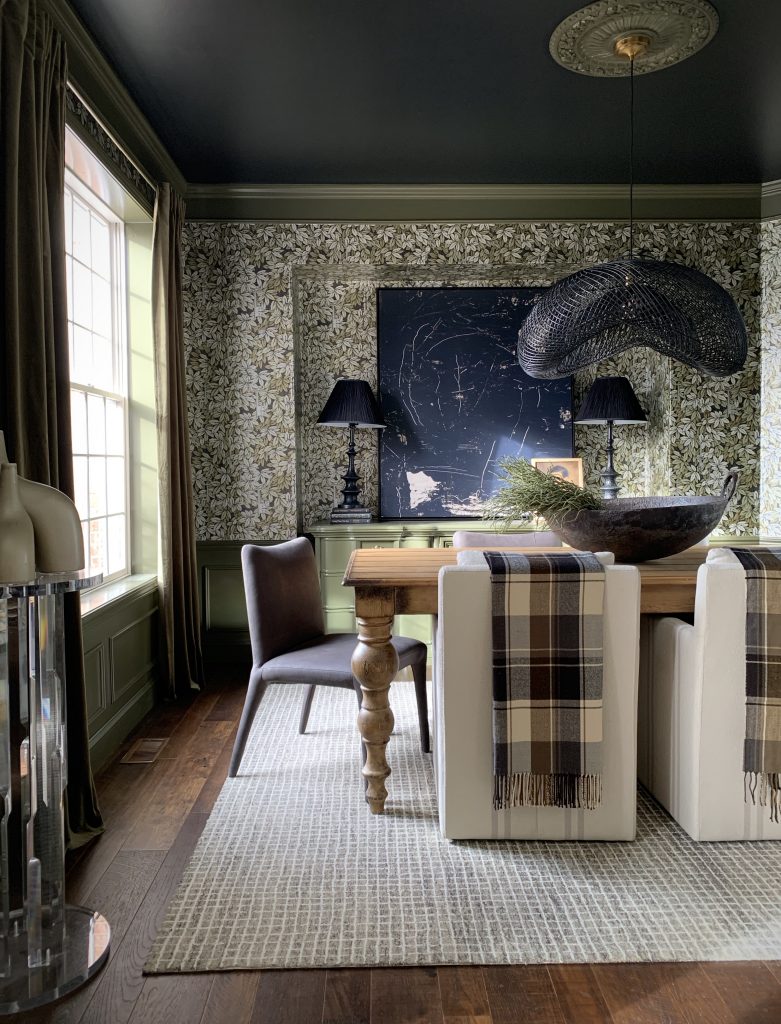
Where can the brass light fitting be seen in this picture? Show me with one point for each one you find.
(632, 46)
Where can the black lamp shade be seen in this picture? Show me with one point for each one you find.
(351, 402)
(610, 399)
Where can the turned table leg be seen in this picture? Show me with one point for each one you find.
(374, 665)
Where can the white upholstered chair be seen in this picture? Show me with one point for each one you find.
(463, 751)
(692, 710)
(536, 538)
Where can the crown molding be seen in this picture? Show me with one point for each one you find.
(97, 83)
(771, 199)
(470, 202)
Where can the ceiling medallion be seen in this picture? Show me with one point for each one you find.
(586, 41)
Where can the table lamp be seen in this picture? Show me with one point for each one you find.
(351, 404)
(610, 400)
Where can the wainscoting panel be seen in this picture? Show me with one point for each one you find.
(133, 652)
(95, 683)
(121, 656)
(221, 595)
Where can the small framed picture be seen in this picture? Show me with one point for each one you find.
(567, 469)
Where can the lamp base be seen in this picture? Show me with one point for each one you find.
(609, 481)
(357, 514)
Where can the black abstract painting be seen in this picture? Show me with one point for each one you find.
(455, 399)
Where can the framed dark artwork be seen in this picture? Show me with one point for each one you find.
(455, 399)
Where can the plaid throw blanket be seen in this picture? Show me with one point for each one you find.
(762, 746)
(547, 679)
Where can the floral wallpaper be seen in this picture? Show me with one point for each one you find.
(275, 312)
(770, 518)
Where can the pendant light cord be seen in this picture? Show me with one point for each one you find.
(631, 158)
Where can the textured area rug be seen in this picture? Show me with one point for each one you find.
(293, 871)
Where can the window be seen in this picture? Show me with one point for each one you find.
(95, 253)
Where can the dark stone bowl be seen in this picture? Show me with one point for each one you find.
(639, 529)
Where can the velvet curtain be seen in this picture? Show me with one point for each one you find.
(178, 574)
(34, 360)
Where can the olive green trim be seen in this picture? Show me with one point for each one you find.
(95, 80)
(434, 203)
(771, 200)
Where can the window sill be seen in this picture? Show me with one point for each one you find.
(101, 597)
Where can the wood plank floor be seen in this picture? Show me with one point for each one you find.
(155, 813)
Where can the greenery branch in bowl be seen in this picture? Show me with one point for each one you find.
(634, 529)
(526, 490)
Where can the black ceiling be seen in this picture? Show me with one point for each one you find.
(415, 91)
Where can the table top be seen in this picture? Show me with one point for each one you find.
(419, 567)
(667, 586)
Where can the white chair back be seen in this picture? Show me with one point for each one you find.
(463, 714)
(693, 710)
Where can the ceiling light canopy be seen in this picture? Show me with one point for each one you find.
(599, 312)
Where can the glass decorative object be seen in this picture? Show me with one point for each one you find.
(47, 948)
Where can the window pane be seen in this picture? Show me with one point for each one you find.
(81, 367)
(68, 221)
(97, 424)
(115, 485)
(81, 231)
(102, 363)
(82, 295)
(101, 252)
(79, 422)
(81, 486)
(116, 544)
(85, 537)
(115, 428)
(97, 545)
(97, 486)
(101, 306)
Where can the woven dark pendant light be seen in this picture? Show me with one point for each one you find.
(600, 311)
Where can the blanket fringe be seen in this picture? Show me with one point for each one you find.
(768, 784)
(525, 789)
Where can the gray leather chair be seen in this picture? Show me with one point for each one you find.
(289, 642)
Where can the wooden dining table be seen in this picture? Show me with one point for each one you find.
(404, 581)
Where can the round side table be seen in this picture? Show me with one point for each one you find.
(47, 948)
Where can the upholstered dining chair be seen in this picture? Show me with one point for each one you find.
(463, 714)
(692, 715)
(289, 642)
(537, 539)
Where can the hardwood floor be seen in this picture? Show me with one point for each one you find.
(156, 812)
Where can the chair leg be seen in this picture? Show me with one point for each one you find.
(255, 692)
(308, 698)
(419, 675)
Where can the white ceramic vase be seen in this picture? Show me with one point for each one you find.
(17, 540)
(59, 542)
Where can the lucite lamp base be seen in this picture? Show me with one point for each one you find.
(81, 955)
